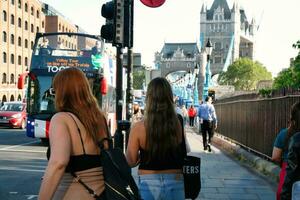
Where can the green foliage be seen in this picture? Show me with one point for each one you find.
(244, 74)
(266, 92)
(138, 79)
(289, 78)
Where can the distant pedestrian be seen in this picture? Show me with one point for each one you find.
(184, 114)
(157, 145)
(293, 158)
(137, 114)
(192, 112)
(208, 116)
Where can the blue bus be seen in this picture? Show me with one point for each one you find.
(53, 52)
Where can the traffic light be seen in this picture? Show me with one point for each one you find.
(113, 29)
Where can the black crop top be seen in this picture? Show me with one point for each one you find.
(80, 162)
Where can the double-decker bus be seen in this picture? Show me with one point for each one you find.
(53, 52)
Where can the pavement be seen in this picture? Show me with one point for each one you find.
(225, 177)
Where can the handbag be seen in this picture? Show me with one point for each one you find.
(191, 171)
(119, 183)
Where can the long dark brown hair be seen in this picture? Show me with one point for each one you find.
(73, 94)
(294, 124)
(163, 130)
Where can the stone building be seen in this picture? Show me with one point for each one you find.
(231, 33)
(20, 20)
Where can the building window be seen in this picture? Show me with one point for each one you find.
(31, 11)
(19, 41)
(4, 36)
(37, 14)
(31, 28)
(12, 39)
(4, 57)
(59, 27)
(4, 16)
(12, 78)
(31, 45)
(26, 43)
(12, 2)
(19, 4)
(43, 24)
(37, 29)
(19, 60)
(26, 7)
(168, 65)
(12, 58)
(26, 61)
(218, 46)
(3, 78)
(12, 19)
(218, 60)
(26, 25)
(19, 23)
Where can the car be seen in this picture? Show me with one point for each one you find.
(13, 114)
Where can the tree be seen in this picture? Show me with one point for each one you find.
(244, 74)
(138, 79)
(289, 78)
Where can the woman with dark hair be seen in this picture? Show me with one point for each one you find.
(293, 158)
(157, 145)
(74, 132)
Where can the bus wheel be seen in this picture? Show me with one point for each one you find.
(23, 124)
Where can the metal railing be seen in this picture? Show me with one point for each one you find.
(255, 123)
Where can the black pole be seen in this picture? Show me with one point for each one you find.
(129, 90)
(118, 137)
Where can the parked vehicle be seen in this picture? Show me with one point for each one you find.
(13, 114)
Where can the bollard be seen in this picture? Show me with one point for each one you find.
(125, 126)
(119, 139)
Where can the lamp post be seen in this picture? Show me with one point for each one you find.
(196, 71)
(208, 50)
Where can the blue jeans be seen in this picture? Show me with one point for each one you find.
(161, 186)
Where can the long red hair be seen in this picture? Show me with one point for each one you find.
(73, 94)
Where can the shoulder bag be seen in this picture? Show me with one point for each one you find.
(191, 171)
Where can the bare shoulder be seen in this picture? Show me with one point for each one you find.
(61, 117)
(137, 128)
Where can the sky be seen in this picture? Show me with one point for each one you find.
(179, 21)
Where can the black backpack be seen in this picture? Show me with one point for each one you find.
(119, 183)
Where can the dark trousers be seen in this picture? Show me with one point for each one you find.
(207, 129)
(192, 121)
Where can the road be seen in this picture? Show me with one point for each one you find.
(23, 161)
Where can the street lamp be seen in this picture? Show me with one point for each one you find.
(208, 50)
(196, 71)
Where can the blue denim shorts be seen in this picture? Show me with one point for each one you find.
(161, 186)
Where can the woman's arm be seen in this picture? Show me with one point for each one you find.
(132, 152)
(60, 143)
(277, 155)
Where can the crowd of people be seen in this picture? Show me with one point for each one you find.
(156, 142)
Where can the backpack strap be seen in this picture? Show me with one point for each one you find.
(78, 132)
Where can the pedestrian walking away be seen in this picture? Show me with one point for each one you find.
(208, 117)
(156, 144)
(279, 155)
(293, 158)
(192, 113)
(74, 133)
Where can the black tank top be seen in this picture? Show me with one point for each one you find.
(80, 162)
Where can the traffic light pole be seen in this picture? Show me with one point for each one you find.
(129, 90)
(118, 137)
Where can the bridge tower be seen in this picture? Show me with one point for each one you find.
(230, 32)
